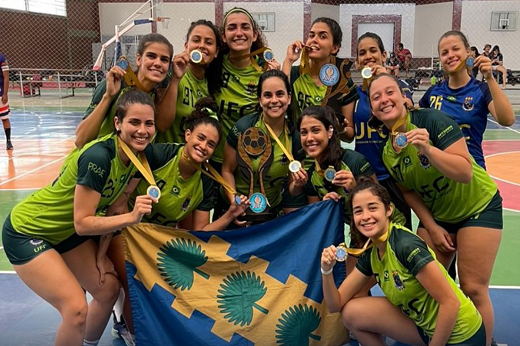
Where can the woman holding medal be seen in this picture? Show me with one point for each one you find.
(260, 151)
(422, 304)
(197, 73)
(371, 55)
(245, 58)
(48, 236)
(318, 81)
(427, 155)
(154, 54)
(465, 99)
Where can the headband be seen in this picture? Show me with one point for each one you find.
(239, 10)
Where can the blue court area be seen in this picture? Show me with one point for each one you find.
(25, 319)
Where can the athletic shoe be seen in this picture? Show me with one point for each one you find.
(493, 341)
(119, 330)
(9, 145)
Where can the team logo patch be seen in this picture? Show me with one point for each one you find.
(318, 98)
(407, 161)
(35, 242)
(425, 163)
(386, 275)
(186, 203)
(399, 284)
(468, 105)
(199, 94)
(175, 190)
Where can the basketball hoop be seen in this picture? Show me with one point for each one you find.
(164, 21)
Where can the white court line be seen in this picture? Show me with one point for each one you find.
(32, 171)
(500, 179)
(506, 127)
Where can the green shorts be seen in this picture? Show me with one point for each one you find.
(490, 217)
(21, 248)
(478, 339)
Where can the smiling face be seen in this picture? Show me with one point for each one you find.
(203, 38)
(137, 127)
(314, 136)
(154, 63)
(239, 32)
(274, 98)
(201, 142)
(321, 41)
(452, 52)
(386, 100)
(369, 53)
(371, 217)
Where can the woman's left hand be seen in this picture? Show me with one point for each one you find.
(484, 65)
(344, 179)
(239, 209)
(105, 266)
(332, 195)
(421, 139)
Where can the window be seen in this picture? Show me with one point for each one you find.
(54, 7)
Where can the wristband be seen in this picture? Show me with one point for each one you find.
(327, 272)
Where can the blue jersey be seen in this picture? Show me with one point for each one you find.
(468, 106)
(369, 141)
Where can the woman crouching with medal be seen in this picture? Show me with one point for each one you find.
(261, 150)
(335, 170)
(180, 181)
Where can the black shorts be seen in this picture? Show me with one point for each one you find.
(22, 248)
(478, 339)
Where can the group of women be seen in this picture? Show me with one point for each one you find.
(236, 132)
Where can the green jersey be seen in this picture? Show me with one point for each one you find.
(179, 196)
(441, 195)
(318, 186)
(405, 255)
(236, 98)
(278, 169)
(306, 93)
(190, 91)
(49, 212)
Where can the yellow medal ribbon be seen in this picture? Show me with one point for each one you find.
(368, 245)
(459, 67)
(273, 136)
(398, 123)
(213, 174)
(143, 167)
(130, 76)
(251, 55)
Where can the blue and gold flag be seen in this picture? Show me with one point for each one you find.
(252, 286)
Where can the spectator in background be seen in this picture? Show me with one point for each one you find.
(497, 63)
(404, 56)
(474, 53)
(487, 50)
(4, 104)
(392, 65)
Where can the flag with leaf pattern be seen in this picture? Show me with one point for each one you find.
(252, 286)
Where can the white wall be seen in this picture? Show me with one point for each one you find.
(476, 22)
(431, 22)
(320, 10)
(288, 23)
(407, 12)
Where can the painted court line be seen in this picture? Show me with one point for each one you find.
(32, 171)
(506, 127)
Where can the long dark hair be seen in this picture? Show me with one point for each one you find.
(366, 183)
(333, 154)
(214, 69)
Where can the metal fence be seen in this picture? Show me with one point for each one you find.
(72, 39)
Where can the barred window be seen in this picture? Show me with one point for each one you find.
(54, 7)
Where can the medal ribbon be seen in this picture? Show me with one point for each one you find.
(213, 174)
(143, 167)
(130, 76)
(251, 55)
(273, 136)
(398, 123)
(368, 245)
(459, 67)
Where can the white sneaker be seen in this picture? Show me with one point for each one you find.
(119, 330)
